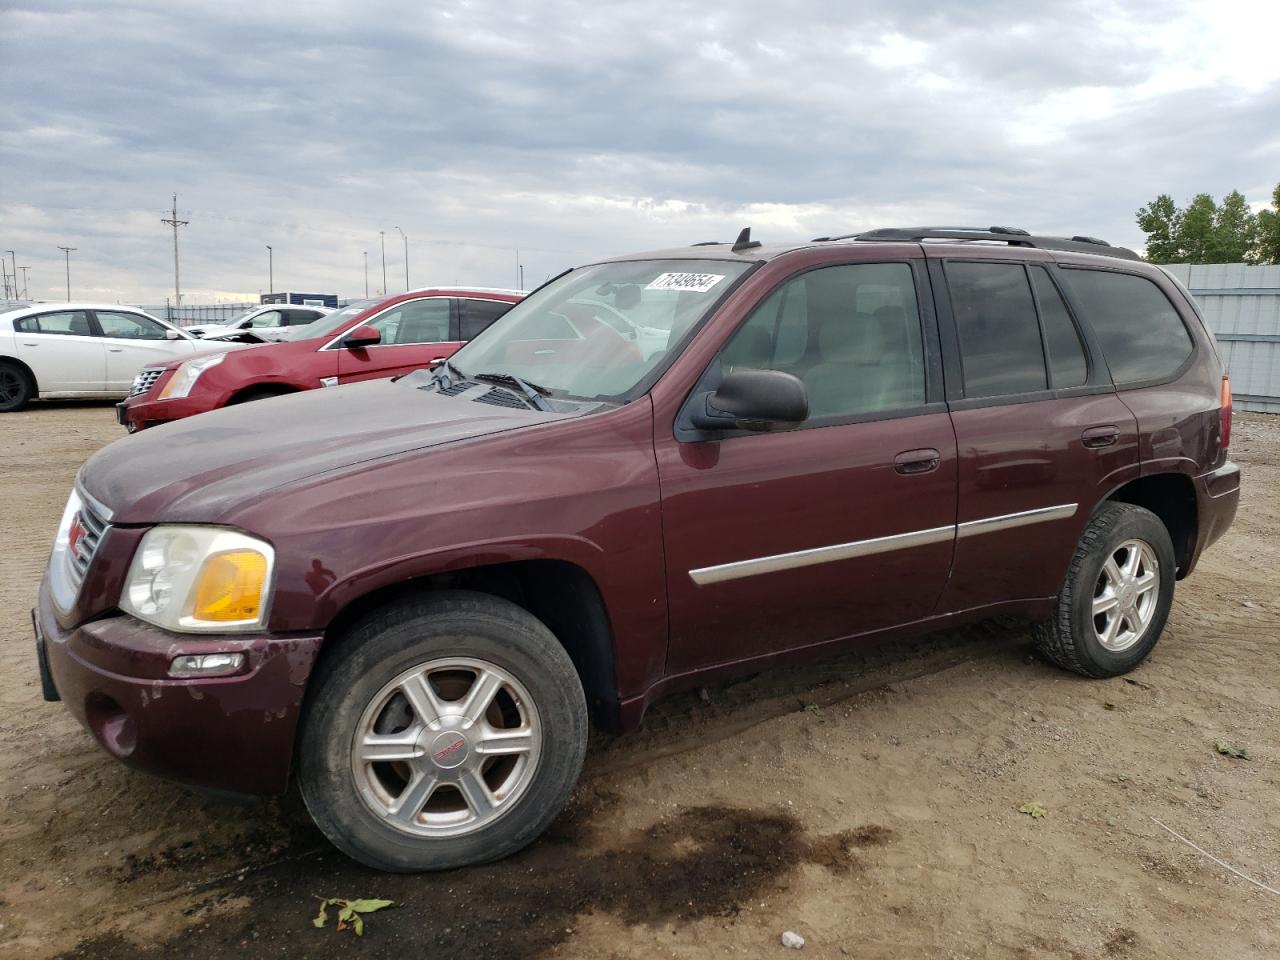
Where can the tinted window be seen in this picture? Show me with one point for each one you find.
(299, 318)
(851, 333)
(478, 314)
(130, 326)
(271, 318)
(1142, 336)
(71, 323)
(1000, 350)
(1067, 364)
(415, 321)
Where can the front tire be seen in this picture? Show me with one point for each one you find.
(16, 387)
(1116, 597)
(442, 732)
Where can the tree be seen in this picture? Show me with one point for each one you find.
(1267, 248)
(1206, 232)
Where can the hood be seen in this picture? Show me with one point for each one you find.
(201, 468)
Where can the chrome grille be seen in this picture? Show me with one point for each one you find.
(145, 378)
(81, 551)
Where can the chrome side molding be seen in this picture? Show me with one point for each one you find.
(738, 569)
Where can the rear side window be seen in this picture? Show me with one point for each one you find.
(1000, 349)
(73, 323)
(1141, 334)
(1067, 364)
(476, 315)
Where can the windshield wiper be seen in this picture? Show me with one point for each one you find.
(534, 393)
(447, 372)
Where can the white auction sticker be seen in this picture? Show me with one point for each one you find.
(694, 282)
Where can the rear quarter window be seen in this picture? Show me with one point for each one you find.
(1142, 336)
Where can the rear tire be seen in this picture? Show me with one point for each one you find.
(1116, 597)
(481, 719)
(17, 389)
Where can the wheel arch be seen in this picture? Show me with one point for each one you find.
(561, 594)
(1172, 498)
(257, 390)
(25, 368)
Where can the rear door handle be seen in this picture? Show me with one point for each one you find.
(917, 461)
(1100, 436)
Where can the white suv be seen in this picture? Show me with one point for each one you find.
(271, 321)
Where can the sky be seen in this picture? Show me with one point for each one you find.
(569, 131)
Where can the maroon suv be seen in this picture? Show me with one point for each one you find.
(655, 472)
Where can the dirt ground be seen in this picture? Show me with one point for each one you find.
(868, 803)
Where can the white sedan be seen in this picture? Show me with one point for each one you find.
(50, 350)
(271, 321)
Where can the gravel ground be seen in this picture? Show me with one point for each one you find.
(869, 803)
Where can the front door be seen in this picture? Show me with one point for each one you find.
(415, 333)
(63, 352)
(1042, 434)
(843, 526)
(133, 341)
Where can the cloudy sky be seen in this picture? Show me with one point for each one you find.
(572, 130)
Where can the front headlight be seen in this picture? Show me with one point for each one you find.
(185, 377)
(200, 580)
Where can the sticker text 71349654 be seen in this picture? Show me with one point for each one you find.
(691, 282)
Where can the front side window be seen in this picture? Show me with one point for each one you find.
(598, 332)
(851, 333)
(130, 326)
(1140, 332)
(477, 315)
(1000, 349)
(414, 321)
(71, 323)
(271, 318)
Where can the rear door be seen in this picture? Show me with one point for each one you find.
(63, 350)
(415, 333)
(843, 526)
(1042, 435)
(134, 341)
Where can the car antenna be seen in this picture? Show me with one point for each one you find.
(744, 241)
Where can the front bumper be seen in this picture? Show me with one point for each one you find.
(232, 733)
(142, 411)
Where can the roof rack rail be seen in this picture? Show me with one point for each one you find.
(1014, 236)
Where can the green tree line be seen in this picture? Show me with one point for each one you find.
(1208, 232)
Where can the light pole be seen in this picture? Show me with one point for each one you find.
(67, 251)
(382, 234)
(271, 270)
(14, 261)
(366, 274)
(406, 260)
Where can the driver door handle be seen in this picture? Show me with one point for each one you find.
(917, 461)
(1100, 436)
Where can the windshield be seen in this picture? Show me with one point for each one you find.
(597, 332)
(326, 325)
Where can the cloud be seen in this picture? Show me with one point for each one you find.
(574, 130)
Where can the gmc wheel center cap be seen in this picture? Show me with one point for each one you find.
(448, 750)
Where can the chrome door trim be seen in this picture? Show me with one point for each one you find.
(807, 558)
(704, 576)
(1008, 521)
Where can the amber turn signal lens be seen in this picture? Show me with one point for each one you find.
(230, 587)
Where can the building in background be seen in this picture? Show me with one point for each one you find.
(303, 299)
(1241, 304)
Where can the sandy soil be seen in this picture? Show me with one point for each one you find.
(868, 803)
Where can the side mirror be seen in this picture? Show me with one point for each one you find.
(753, 400)
(362, 336)
(172, 334)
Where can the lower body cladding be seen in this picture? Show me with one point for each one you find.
(231, 733)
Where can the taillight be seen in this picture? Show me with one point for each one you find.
(1224, 413)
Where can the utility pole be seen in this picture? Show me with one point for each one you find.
(14, 272)
(406, 260)
(175, 223)
(366, 274)
(24, 281)
(271, 270)
(4, 275)
(383, 235)
(68, 251)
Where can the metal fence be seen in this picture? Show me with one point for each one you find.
(1242, 306)
(189, 314)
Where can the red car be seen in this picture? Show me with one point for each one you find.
(367, 340)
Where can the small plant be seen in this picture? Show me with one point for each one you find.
(1231, 750)
(1034, 809)
(349, 913)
